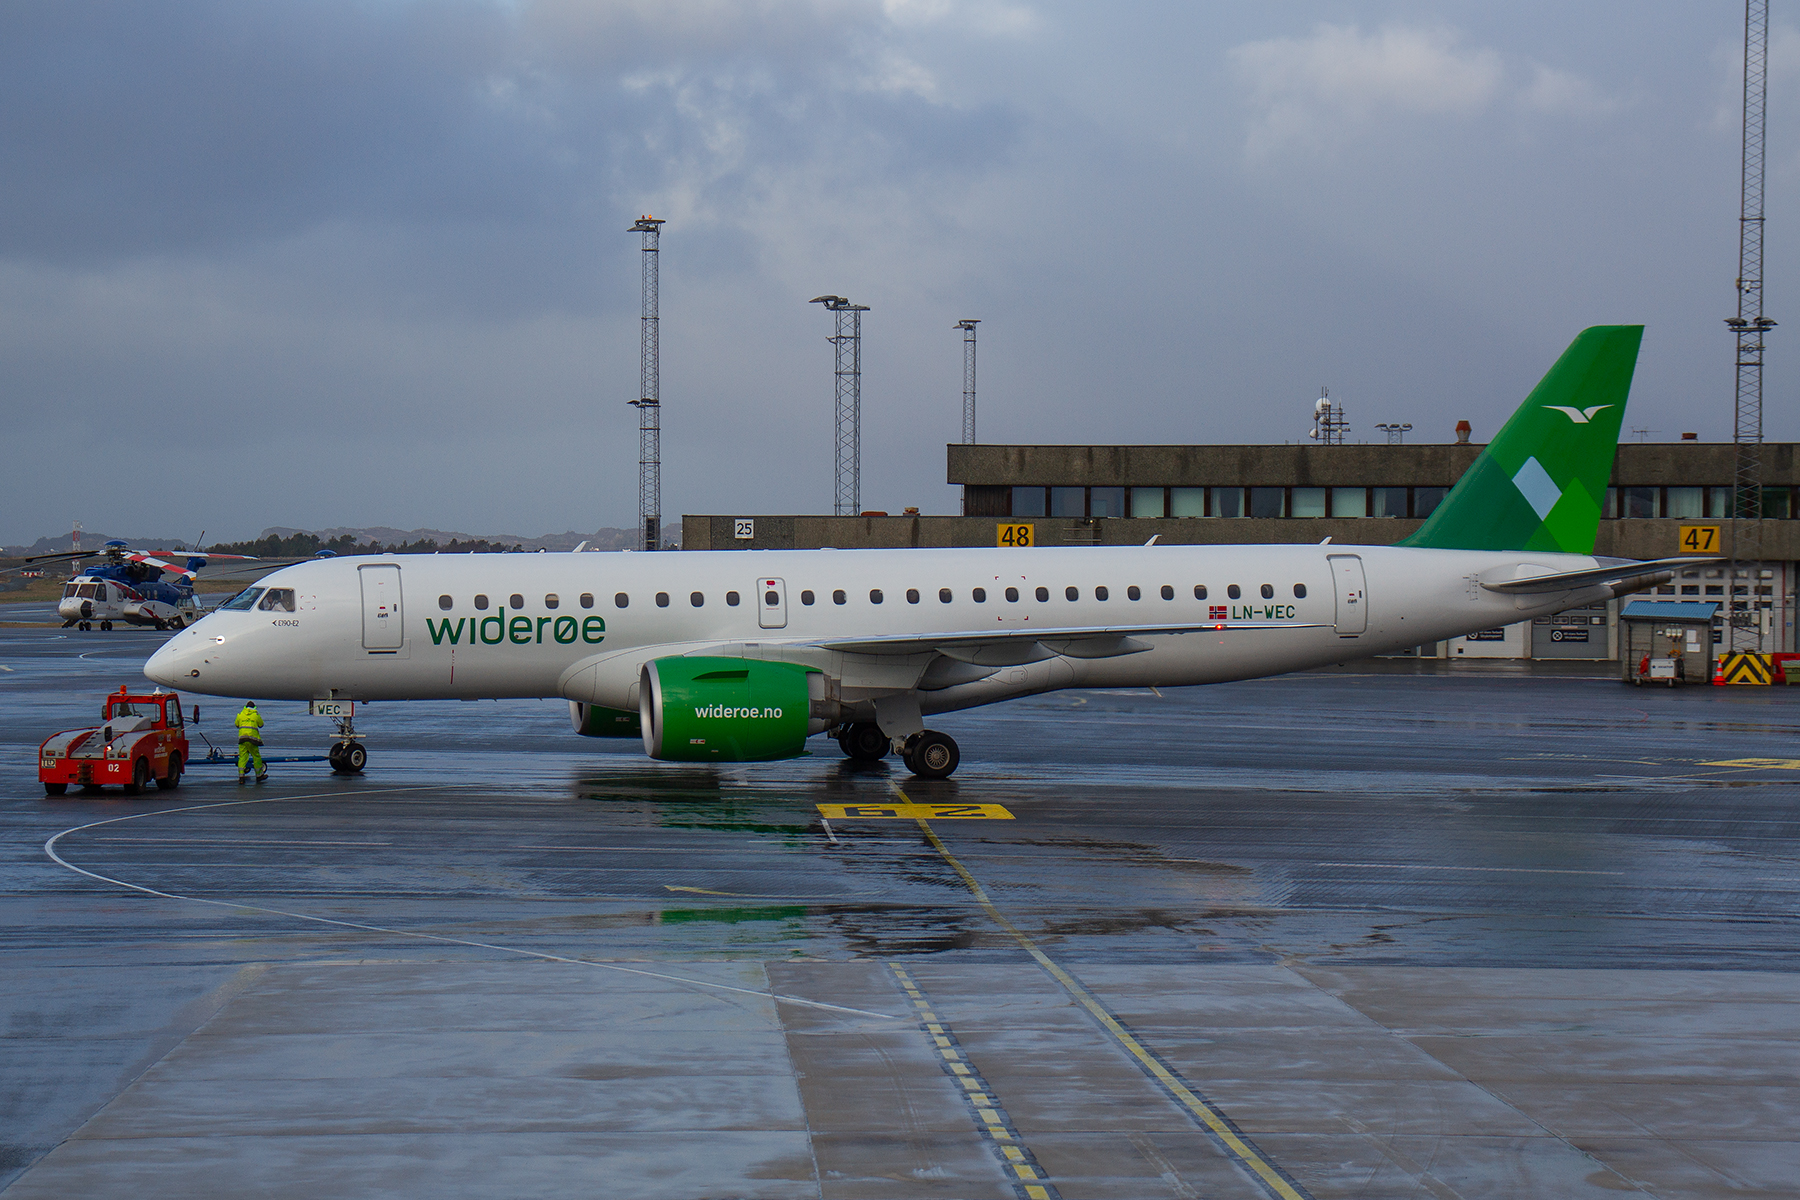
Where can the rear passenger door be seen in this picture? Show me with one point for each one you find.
(771, 603)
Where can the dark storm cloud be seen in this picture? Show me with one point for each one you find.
(132, 129)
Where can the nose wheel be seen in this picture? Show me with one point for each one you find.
(347, 758)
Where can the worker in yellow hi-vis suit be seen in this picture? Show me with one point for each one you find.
(249, 724)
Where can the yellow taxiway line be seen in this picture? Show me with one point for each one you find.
(1271, 1177)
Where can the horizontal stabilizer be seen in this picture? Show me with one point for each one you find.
(1606, 576)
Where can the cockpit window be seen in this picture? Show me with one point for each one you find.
(85, 591)
(243, 601)
(68, 590)
(278, 600)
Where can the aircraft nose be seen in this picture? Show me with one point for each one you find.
(179, 662)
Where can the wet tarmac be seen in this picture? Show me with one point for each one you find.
(1369, 932)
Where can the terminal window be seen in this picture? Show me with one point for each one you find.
(1028, 502)
(1106, 502)
(1387, 502)
(1268, 502)
(1426, 500)
(1068, 502)
(1187, 502)
(1349, 502)
(1228, 502)
(1307, 502)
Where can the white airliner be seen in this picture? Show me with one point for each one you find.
(740, 656)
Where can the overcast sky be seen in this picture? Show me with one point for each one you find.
(353, 263)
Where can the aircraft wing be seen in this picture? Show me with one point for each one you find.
(1026, 643)
(1614, 573)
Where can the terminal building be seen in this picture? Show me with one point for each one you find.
(1667, 499)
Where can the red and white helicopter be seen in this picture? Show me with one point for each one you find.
(133, 586)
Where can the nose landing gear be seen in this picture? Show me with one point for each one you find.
(347, 756)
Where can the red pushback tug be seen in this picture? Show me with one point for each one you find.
(139, 738)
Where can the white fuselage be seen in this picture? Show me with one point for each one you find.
(418, 627)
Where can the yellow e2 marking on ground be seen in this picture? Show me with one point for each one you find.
(1224, 1133)
(1015, 535)
(914, 812)
(1699, 539)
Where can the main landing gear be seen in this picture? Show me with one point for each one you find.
(927, 754)
(347, 756)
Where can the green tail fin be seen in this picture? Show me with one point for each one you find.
(1540, 482)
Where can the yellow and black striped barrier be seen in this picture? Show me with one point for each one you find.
(1755, 669)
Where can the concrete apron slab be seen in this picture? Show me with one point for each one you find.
(545, 1079)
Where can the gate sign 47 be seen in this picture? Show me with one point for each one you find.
(1699, 539)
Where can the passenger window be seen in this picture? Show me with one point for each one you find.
(697, 599)
(1132, 593)
(1199, 592)
(662, 599)
(874, 595)
(621, 600)
(1043, 594)
(1100, 593)
(731, 599)
(944, 595)
(587, 600)
(912, 595)
(446, 603)
(1072, 593)
(1012, 595)
(838, 596)
(806, 598)
(1234, 591)
(481, 602)
(551, 600)
(1268, 591)
(1299, 591)
(979, 595)
(518, 601)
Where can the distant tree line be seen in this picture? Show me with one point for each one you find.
(303, 545)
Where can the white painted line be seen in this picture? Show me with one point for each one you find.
(50, 849)
(235, 842)
(828, 833)
(1440, 867)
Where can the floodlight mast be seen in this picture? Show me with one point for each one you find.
(1744, 621)
(967, 325)
(848, 341)
(649, 401)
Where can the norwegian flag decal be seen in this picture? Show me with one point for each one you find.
(1216, 612)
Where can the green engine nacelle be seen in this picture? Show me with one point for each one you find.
(592, 720)
(727, 709)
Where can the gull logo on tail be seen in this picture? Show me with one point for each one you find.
(1581, 416)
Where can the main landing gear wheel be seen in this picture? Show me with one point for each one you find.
(931, 755)
(864, 742)
(347, 758)
(106, 626)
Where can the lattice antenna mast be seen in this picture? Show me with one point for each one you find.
(967, 325)
(649, 401)
(848, 341)
(1749, 326)
(1329, 422)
